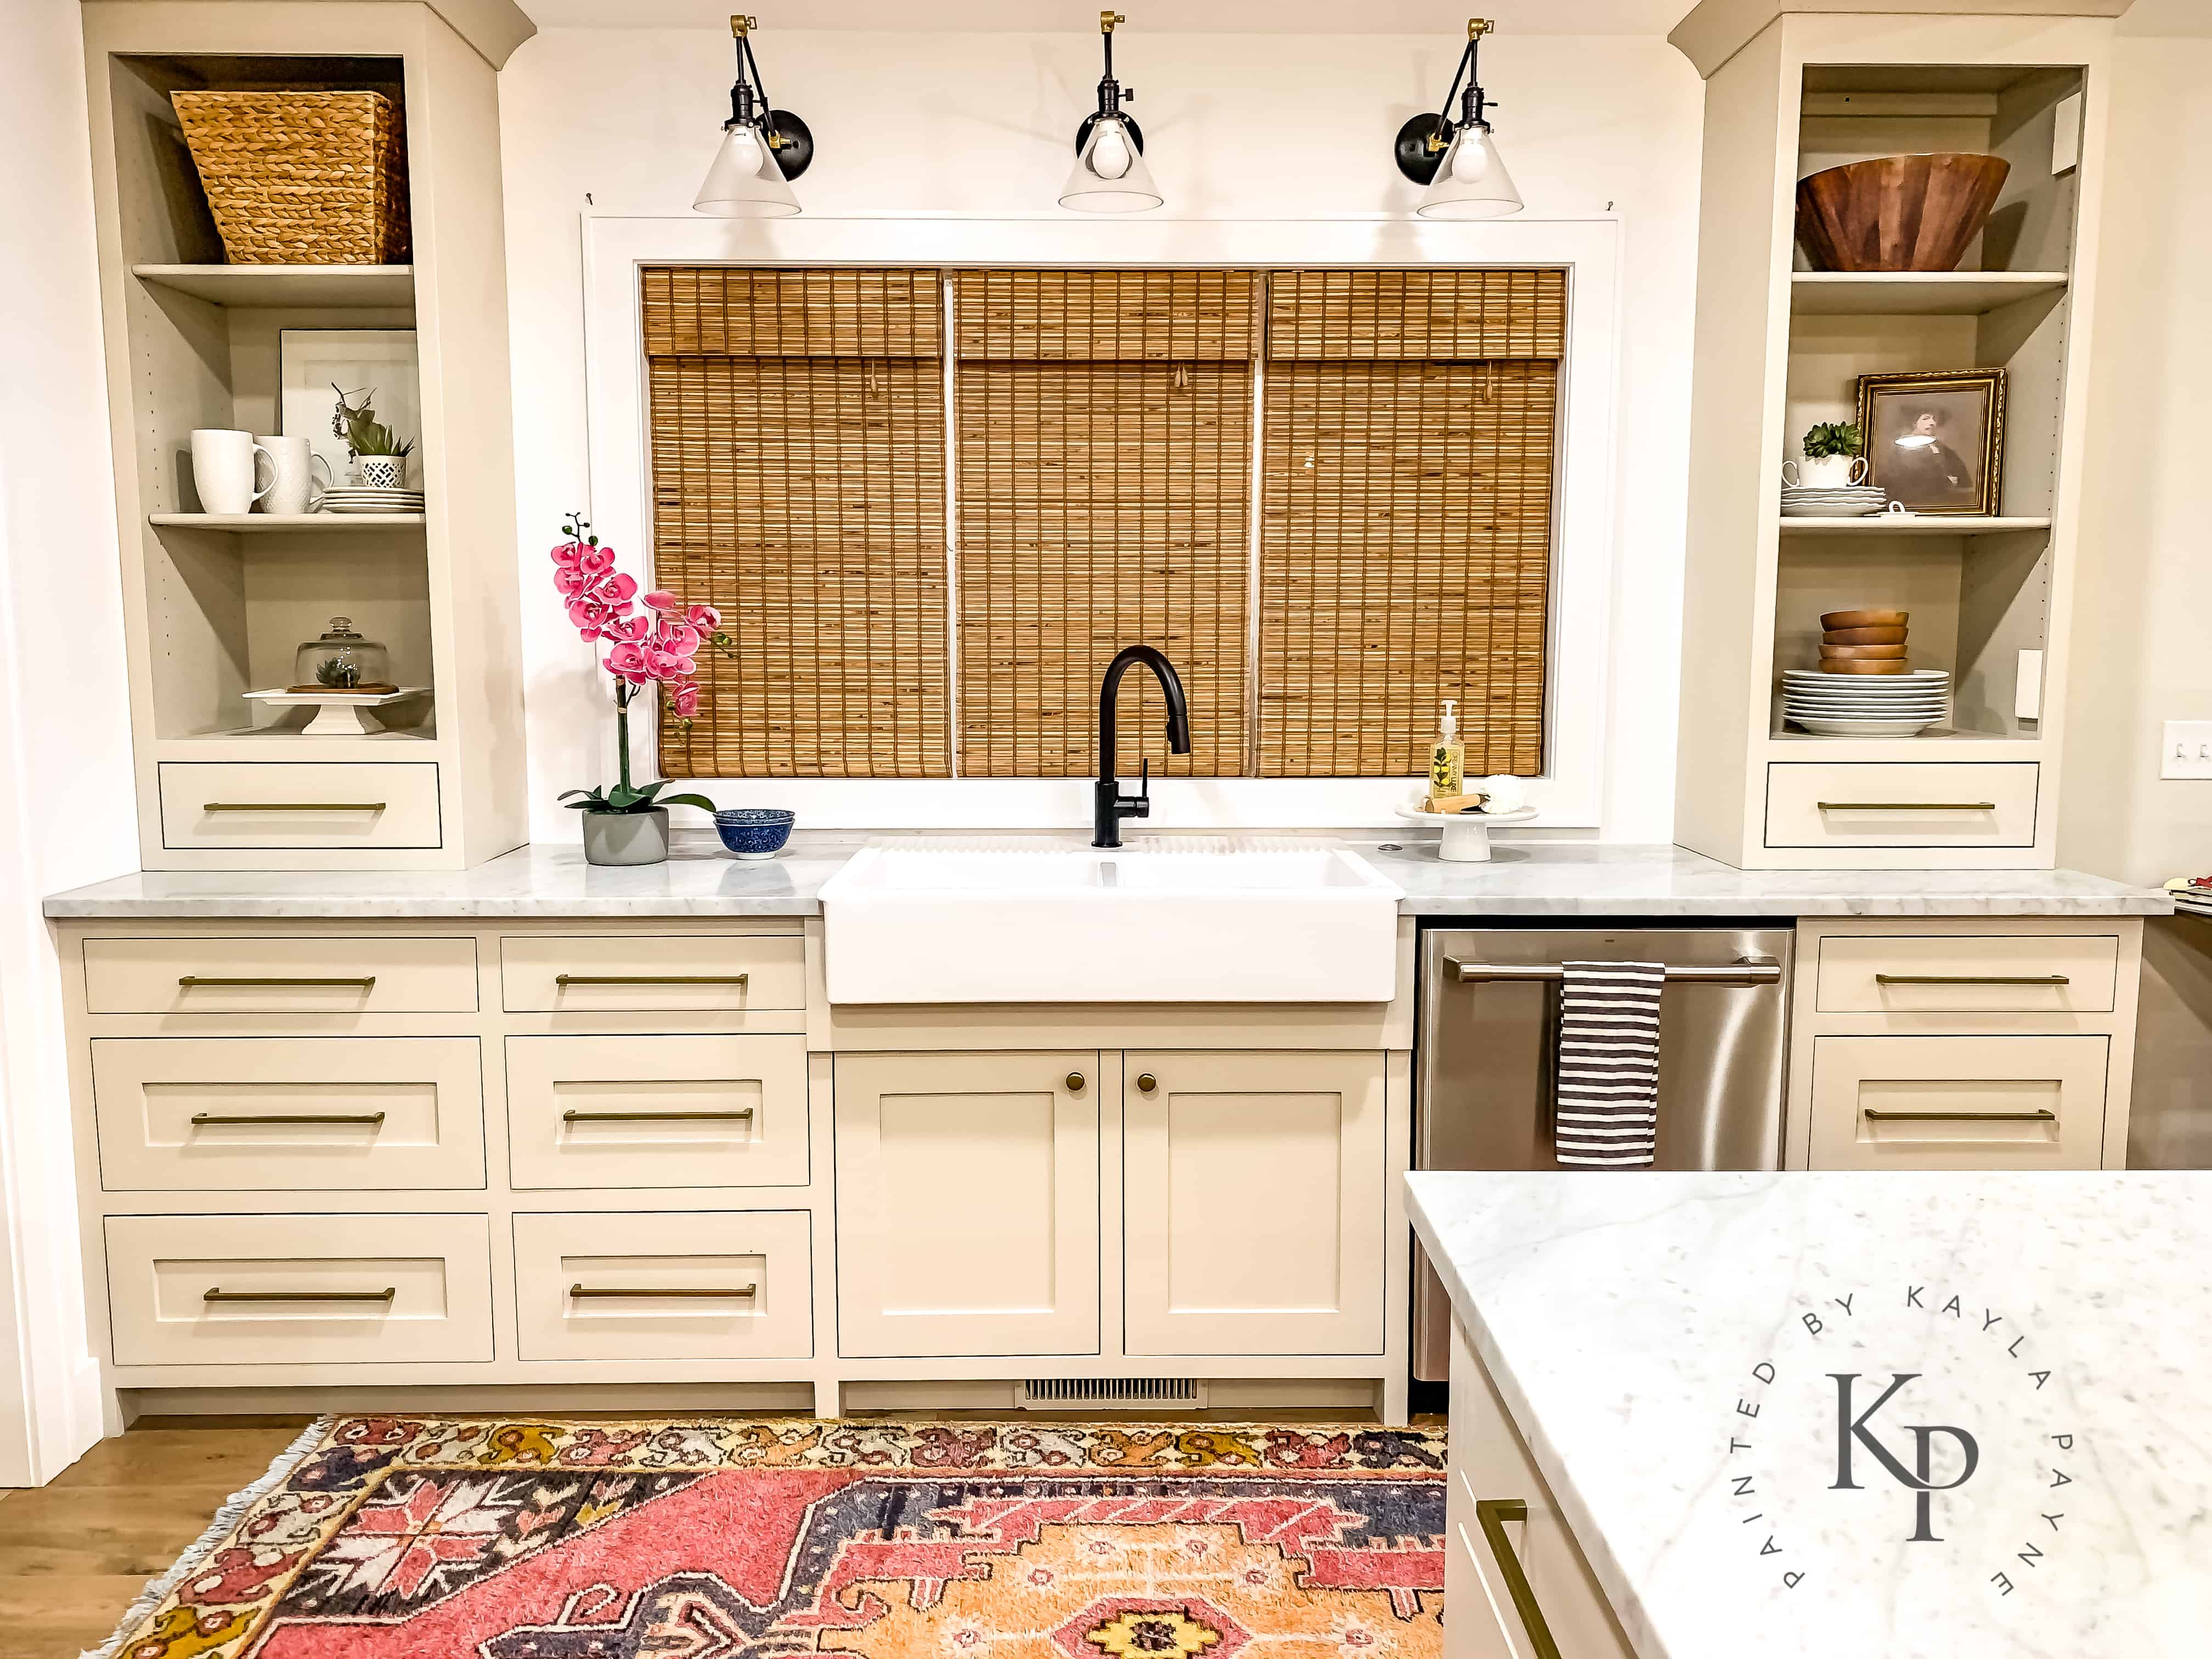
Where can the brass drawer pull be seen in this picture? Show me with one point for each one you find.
(650, 978)
(1873, 1116)
(585, 1292)
(1491, 1514)
(743, 1114)
(292, 806)
(200, 981)
(218, 1294)
(1146, 1083)
(1075, 1082)
(1972, 979)
(1907, 806)
(370, 1118)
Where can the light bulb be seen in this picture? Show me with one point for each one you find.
(1470, 157)
(1110, 154)
(745, 153)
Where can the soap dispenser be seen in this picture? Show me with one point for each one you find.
(1447, 756)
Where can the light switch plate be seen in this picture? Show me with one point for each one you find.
(2188, 751)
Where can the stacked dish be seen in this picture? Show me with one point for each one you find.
(2192, 895)
(1848, 501)
(1866, 705)
(353, 498)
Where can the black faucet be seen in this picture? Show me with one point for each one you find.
(1112, 806)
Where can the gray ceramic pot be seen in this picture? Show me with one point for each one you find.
(626, 837)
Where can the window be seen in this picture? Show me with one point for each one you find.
(909, 606)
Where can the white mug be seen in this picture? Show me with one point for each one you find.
(223, 469)
(1825, 472)
(293, 488)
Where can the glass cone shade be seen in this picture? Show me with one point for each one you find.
(1110, 175)
(1473, 182)
(744, 181)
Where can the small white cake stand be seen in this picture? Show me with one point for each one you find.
(1465, 837)
(338, 715)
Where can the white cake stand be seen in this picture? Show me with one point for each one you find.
(339, 714)
(1466, 835)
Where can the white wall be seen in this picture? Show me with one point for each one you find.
(66, 804)
(2144, 611)
(1244, 127)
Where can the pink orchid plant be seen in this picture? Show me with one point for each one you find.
(649, 649)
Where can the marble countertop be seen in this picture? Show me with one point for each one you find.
(1669, 1346)
(1528, 879)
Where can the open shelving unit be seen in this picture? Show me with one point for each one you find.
(215, 604)
(1780, 348)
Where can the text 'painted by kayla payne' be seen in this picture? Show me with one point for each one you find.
(1867, 1438)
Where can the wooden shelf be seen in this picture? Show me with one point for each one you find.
(1916, 292)
(1885, 524)
(288, 522)
(287, 285)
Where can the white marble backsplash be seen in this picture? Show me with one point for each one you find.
(1669, 1344)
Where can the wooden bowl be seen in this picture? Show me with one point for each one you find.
(1863, 637)
(1888, 665)
(1865, 619)
(1861, 653)
(1898, 213)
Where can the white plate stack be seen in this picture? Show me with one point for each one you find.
(1866, 705)
(2191, 895)
(1849, 502)
(353, 498)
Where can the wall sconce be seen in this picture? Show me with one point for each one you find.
(763, 149)
(1456, 156)
(1110, 175)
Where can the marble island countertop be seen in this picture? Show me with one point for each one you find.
(1528, 878)
(1669, 1346)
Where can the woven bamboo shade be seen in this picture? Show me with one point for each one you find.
(1103, 494)
(1405, 532)
(800, 490)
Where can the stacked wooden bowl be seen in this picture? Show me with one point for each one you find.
(1864, 642)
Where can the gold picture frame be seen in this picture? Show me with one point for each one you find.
(1935, 441)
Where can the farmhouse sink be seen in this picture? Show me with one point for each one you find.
(1229, 921)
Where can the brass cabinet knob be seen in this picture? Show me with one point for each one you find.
(1075, 1082)
(1147, 1082)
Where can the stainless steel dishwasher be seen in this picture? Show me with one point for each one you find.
(1489, 1043)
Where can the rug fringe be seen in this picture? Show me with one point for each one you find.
(232, 1512)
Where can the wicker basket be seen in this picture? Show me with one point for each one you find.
(302, 178)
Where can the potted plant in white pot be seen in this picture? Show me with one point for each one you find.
(1833, 459)
(649, 650)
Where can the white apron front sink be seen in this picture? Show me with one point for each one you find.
(975, 921)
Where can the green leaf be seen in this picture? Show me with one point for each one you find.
(699, 801)
(588, 794)
(624, 798)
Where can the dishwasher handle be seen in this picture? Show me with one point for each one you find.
(1745, 970)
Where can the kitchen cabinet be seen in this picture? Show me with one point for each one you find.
(1253, 1202)
(968, 1204)
(1958, 1102)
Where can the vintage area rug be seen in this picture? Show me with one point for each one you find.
(712, 1538)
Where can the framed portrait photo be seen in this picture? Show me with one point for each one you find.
(1935, 442)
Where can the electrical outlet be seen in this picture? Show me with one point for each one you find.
(2188, 751)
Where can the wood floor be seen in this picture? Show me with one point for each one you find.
(72, 1555)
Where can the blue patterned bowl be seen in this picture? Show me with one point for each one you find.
(754, 832)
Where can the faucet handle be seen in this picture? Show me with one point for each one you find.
(1144, 778)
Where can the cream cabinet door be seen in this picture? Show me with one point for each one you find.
(1958, 1102)
(968, 1204)
(1253, 1203)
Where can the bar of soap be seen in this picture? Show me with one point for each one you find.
(1453, 803)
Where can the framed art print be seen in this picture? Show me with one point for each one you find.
(315, 366)
(1935, 442)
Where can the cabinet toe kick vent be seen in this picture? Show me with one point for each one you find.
(1060, 1394)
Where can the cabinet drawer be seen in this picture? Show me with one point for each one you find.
(1906, 805)
(1945, 1103)
(671, 973)
(657, 1111)
(1993, 973)
(720, 1285)
(286, 975)
(282, 804)
(220, 1115)
(283, 1290)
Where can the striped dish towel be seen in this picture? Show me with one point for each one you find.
(1608, 1110)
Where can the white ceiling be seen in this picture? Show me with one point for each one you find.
(1443, 17)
